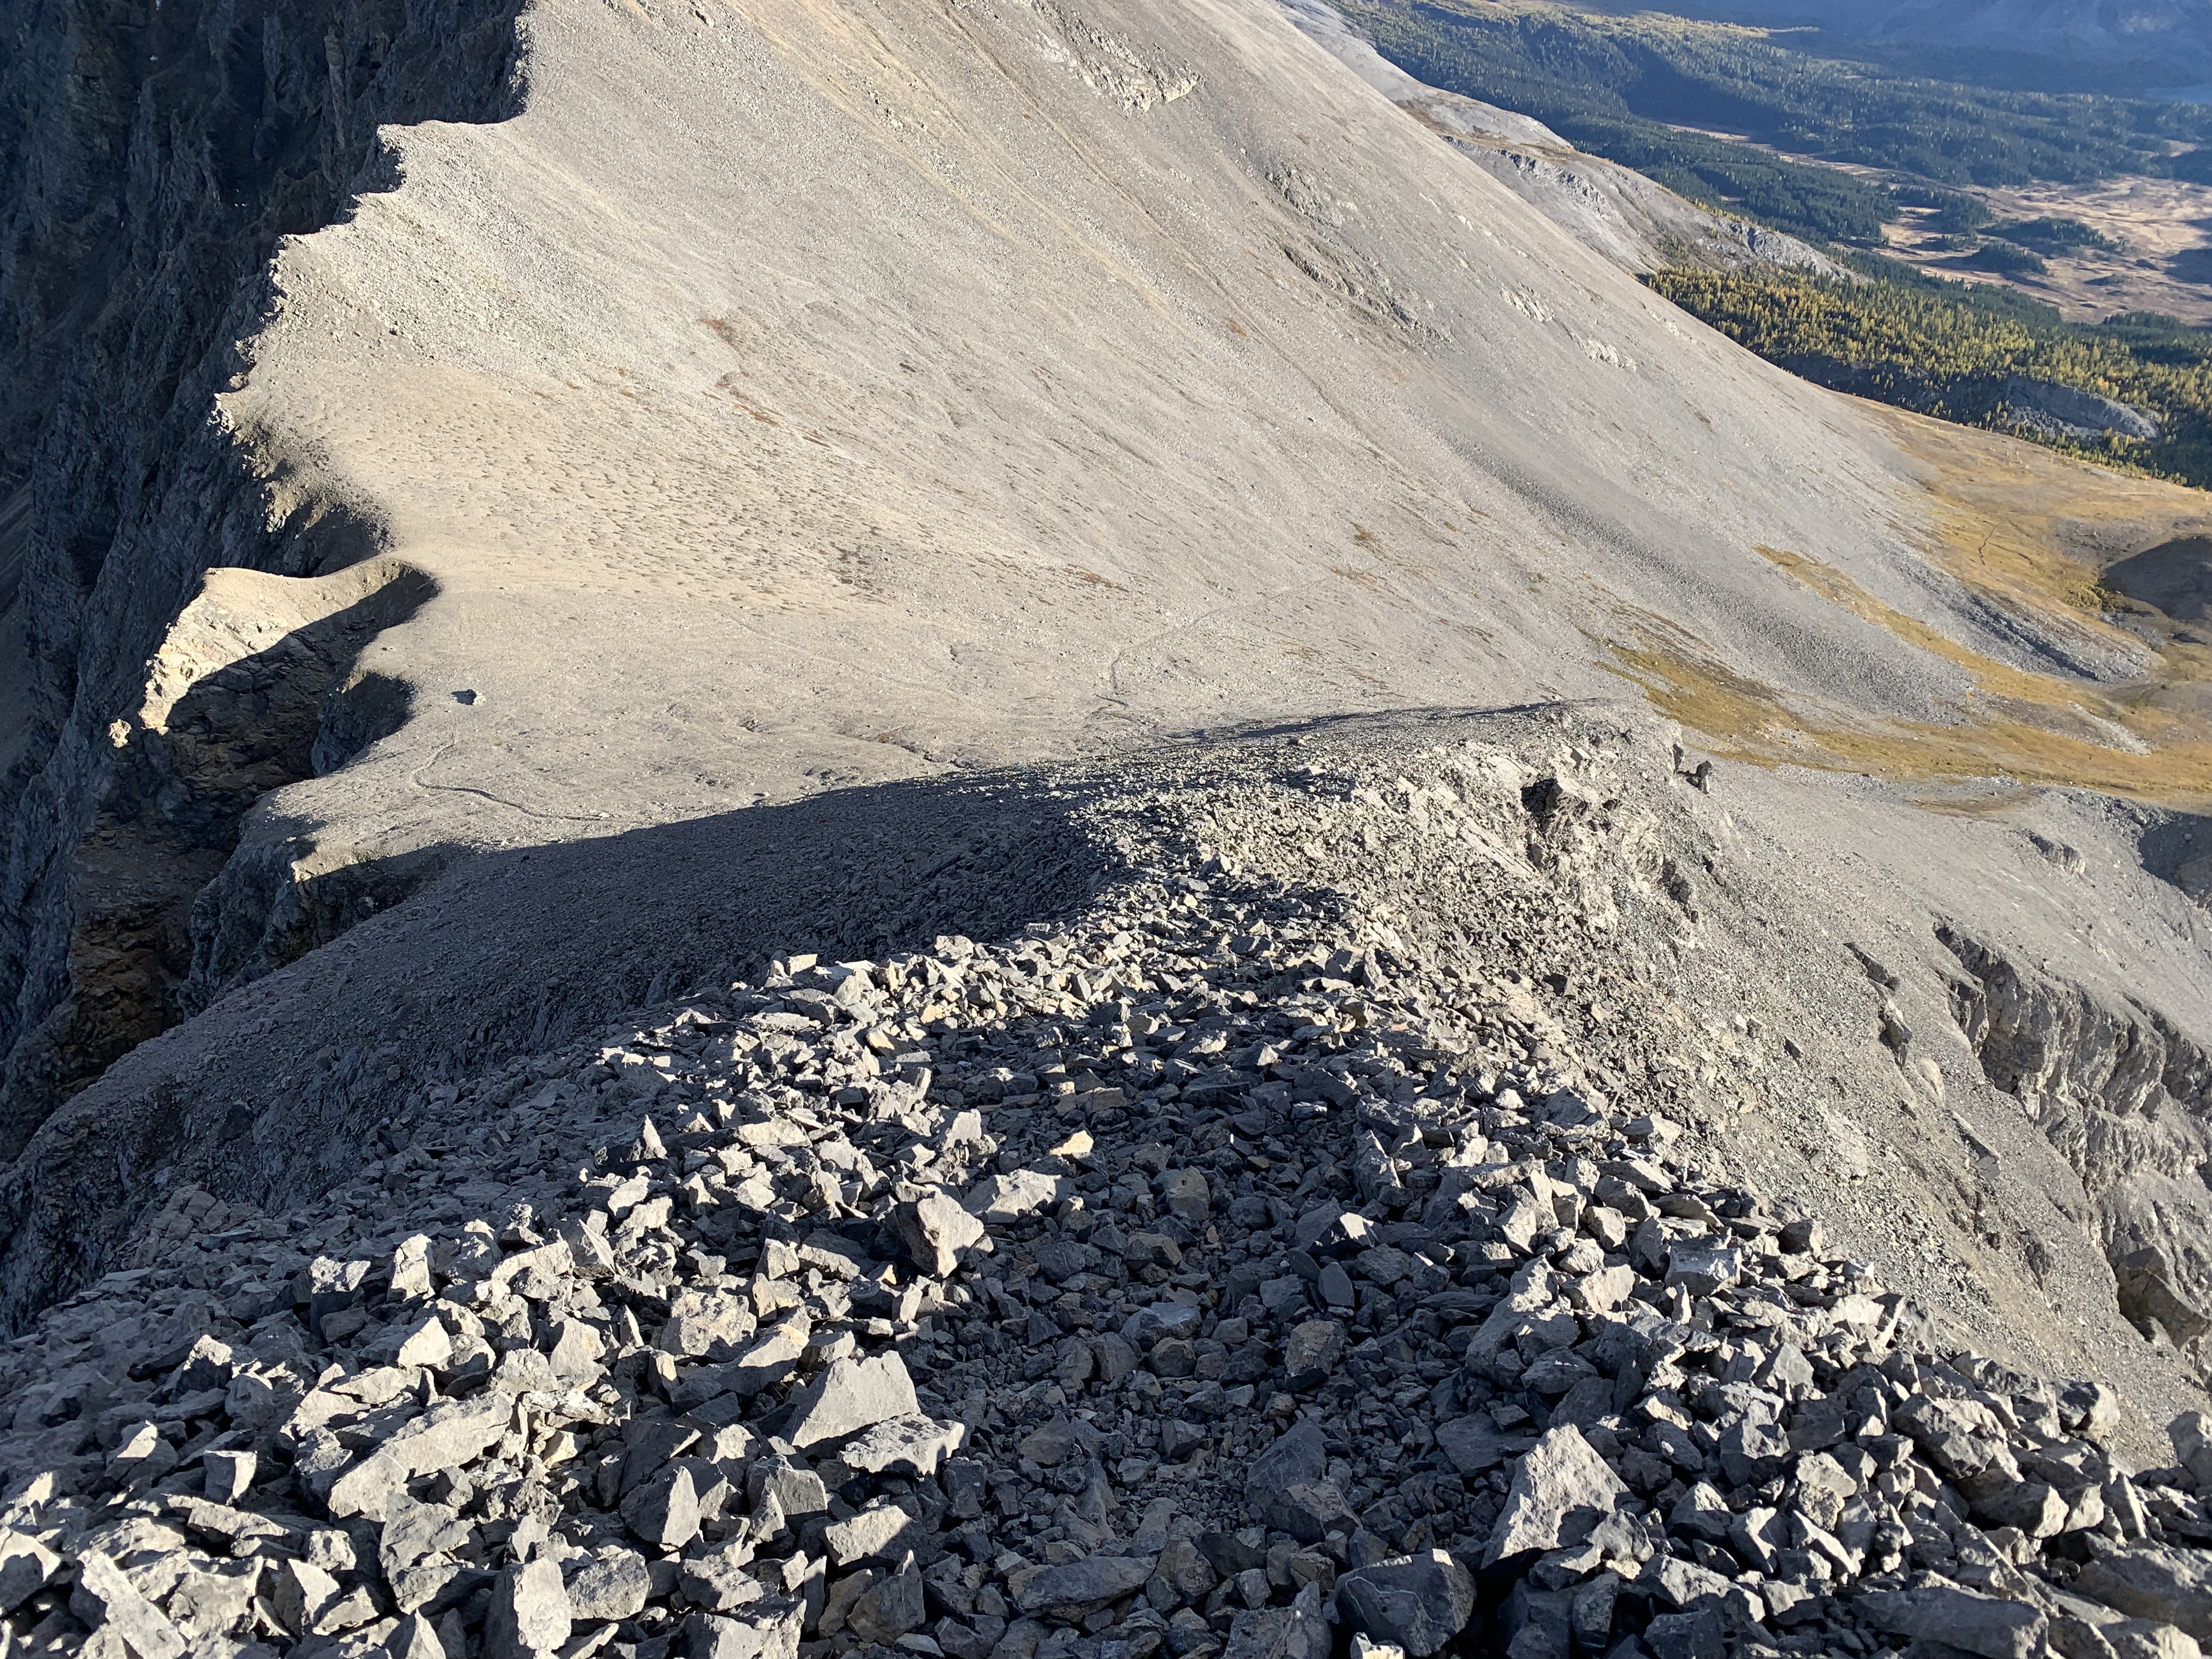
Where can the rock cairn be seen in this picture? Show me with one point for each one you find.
(1212, 1273)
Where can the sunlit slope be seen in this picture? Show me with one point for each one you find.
(2106, 578)
(800, 393)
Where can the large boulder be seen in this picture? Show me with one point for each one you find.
(1417, 1602)
(1561, 1489)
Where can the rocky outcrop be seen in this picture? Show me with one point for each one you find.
(2127, 1098)
(2050, 410)
(247, 693)
(154, 155)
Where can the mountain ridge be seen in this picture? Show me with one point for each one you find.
(833, 732)
(1135, 377)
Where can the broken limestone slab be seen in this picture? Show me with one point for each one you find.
(868, 1534)
(1703, 1269)
(1473, 1443)
(768, 1630)
(452, 1434)
(1075, 1590)
(852, 1395)
(1561, 1488)
(1299, 1454)
(910, 1446)
(1978, 1624)
(1010, 1197)
(665, 1511)
(612, 1585)
(107, 1601)
(1316, 1345)
(890, 1608)
(27, 1566)
(1300, 1630)
(2154, 1581)
(529, 1612)
(935, 1230)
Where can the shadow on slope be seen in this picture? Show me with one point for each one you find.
(283, 1084)
(152, 160)
(2175, 577)
(251, 690)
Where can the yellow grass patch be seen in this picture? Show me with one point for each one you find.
(2035, 533)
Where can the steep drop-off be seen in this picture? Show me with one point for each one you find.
(156, 155)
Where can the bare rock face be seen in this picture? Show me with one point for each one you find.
(2128, 1098)
(149, 184)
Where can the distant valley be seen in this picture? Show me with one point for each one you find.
(2045, 209)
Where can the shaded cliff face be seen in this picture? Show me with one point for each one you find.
(154, 154)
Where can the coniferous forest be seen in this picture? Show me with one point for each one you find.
(1953, 352)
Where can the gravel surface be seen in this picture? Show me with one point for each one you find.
(1236, 1263)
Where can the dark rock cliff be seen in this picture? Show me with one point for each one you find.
(151, 155)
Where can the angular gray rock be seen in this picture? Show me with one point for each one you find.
(2154, 1581)
(1979, 1625)
(909, 1446)
(866, 1535)
(935, 1229)
(27, 1566)
(715, 1578)
(530, 1614)
(1298, 1456)
(1472, 1442)
(1316, 1345)
(110, 1604)
(1703, 1269)
(1300, 1630)
(1076, 1589)
(613, 1584)
(1416, 1602)
(1561, 1488)
(1011, 1197)
(852, 1395)
(664, 1512)
(769, 1629)
(891, 1608)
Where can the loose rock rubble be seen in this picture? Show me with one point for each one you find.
(1217, 1272)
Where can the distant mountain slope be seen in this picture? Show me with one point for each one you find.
(1634, 221)
(2178, 32)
